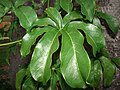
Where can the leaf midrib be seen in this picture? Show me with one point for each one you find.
(87, 11)
(54, 19)
(49, 52)
(74, 48)
(26, 17)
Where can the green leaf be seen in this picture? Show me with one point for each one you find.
(75, 62)
(57, 4)
(108, 70)
(63, 84)
(26, 16)
(66, 5)
(104, 52)
(19, 78)
(95, 74)
(28, 74)
(2, 11)
(6, 3)
(54, 15)
(93, 34)
(20, 2)
(71, 16)
(87, 8)
(30, 38)
(28, 85)
(42, 56)
(97, 22)
(53, 81)
(44, 22)
(116, 61)
(111, 21)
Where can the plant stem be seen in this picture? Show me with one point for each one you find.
(5, 44)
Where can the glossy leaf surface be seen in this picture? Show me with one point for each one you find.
(111, 21)
(71, 16)
(42, 56)
(19, 78)
(93, 34)
(44, 22)
(66, 5)
(28, 85)
(26, 16)
(95, 74)
(87, 8)
(30, 38)
(108, 70)
(20, 2)
(97, 22)
(75, 63)
(54, 15)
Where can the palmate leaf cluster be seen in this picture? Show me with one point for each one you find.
(64, 36)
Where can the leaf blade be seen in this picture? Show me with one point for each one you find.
(19, 2)
(57, 4)
(54, 15)
(41, 58)
(95, 74)
(74, 74)
(63, 84)
(6, 3)
(87, 8)
(28, 84)
(27, 17)
(44, 22)
(19, 78)
(108, 70)
(66, 5)
(2, 11)
(71, 16)
(30, 38)
(53, 81)
(97, 22)
(93, 34)
(111, 21)
(116, 61)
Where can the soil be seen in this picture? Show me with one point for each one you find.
(113, 42)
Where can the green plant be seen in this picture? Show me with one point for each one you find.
(70, 53)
